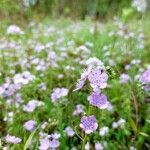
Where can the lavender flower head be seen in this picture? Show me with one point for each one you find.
(82, 80)
(98, 146)
(23, 78)
(58, 93)
(44, 144)
(32, 105)
(145, 77)
(124, 78)
(95, 73)
(103, 131)
(88, 124)
(119, 123)
(30, 125)
(145, 80)
(69, 131)
(13, 29)
(99, 100)
(79, 109)
(12, 139)
(94, 62)
(50, 142)
(98, 79)
(54, 140)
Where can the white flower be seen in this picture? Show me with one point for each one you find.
(94, 62)
(98, 146)
(103, 131)
(13, 29)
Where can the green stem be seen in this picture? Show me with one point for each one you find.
(83, 143)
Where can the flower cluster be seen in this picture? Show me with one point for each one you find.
(97, 77)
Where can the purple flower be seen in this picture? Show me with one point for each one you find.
(147, 88)
(58, 93)
(98, 146)
(119, 123)
(124, 78)
(50, 142)
(69, 131)
(82, 80)
(14, 29)
(145, 77)
(145, 80)
(54, 143)
(88, 124)
(79, 109)
(12, 139)
(44, 144)
(98, 79)
(94, 62)
(23, 78)
(30, 125)
(54, 140)
(80, 84)
(32, 105)
(103, 131)
(98, 100)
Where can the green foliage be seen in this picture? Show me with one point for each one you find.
(71, 8)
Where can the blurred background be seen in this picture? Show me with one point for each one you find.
(26, 10)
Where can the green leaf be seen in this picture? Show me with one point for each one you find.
(148, 121)
(133, 125)
(144, 134)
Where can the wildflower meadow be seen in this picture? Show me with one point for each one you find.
(74, 78)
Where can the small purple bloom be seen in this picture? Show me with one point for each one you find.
(82, 80)
(147, 88)
(88, 124)
(79, 109)
(145, 80)
(145, 77)
(12, 139)
(98, 79)
(54, 140)
(30, 125)
(99, 100)
(69, 131)
(103, 131)
(54, 143)
(50, 142)
(124, 78)
(58, 93)
(44, 144)
(98, 146)
(32, 105)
